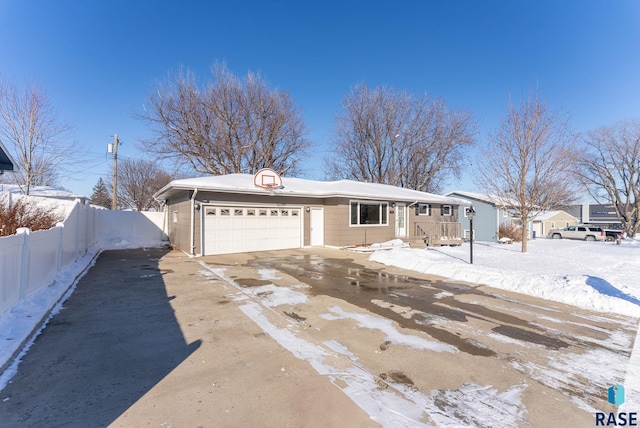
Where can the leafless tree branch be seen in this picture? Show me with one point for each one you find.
(138, 180)
(227, 126)
(30, 127)
(609, 169)
(385, 136)
(528, 161)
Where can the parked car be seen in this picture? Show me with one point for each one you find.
(586, 233)
(613, 234)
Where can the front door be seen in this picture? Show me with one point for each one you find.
(401, 220)
(317, 227)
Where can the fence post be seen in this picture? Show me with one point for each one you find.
(24, 261)
(60, 246)
(77, 210)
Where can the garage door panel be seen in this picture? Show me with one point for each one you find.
(244, 229)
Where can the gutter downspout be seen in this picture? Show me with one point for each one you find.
(193, 222)
(497, 224)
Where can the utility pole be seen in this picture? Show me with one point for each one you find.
(114, 199)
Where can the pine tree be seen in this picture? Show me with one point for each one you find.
(101, 195)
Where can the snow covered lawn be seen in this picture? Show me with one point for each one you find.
(598, 276)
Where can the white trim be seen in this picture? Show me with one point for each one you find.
(352, 201)
(401, 233)
(321, 211)
(428, 214)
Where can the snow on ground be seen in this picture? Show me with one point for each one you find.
(20, 325)
(398, 405)
(598, 276)
(57, 200)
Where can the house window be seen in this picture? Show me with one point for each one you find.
(368, 213)
(238, 212)
(447, 210)
(423, 209)
(251, 213)
(210, 211)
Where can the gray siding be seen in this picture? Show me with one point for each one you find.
(179, 223)
(338, 231)
(337, 228)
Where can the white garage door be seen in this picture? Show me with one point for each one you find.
(243, 229)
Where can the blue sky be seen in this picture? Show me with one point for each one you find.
(99, 59)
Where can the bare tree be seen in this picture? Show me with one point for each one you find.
(385, 136)
(610, 170)
(528, 160)
(30, 128)
(228, 126)
(138, 180)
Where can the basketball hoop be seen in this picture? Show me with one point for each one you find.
(271, 188)
(267, 179)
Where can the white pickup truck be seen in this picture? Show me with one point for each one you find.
(586, 233)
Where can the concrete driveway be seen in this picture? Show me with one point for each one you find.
(312, 337)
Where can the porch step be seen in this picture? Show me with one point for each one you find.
(415, 242)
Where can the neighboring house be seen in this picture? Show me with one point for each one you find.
(490, 214)
(602, 215)
(43, 192)
(6, 162)
(547, 221)
(55, 199)
(241, 213)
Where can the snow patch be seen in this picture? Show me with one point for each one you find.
(386, 326)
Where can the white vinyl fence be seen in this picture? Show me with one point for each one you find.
(29, 261)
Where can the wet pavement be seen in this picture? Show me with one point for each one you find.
(156, 338)
(428, 299)
(546, 345)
